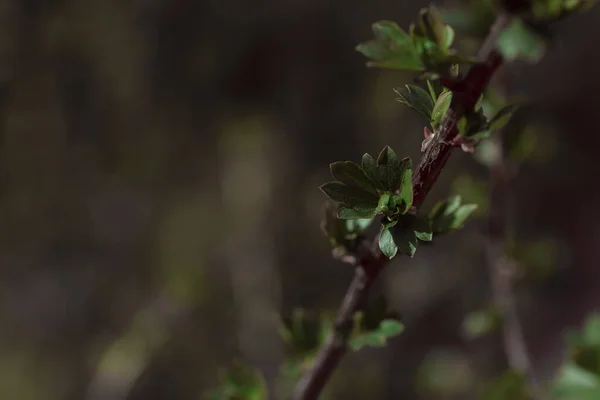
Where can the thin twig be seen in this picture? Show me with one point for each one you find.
(466, 92)
(502, 269)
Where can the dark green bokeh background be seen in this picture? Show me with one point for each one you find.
(159, 165)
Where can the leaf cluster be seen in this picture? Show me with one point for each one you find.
(377, 186)
(374, 325)
(527, 36)
(384, 186)
(344, 235)
(426, 47)
(449, 215)
(303, 332)
(433, 103)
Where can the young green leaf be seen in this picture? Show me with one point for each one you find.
(358, 211)
(453, 204)
(352, 175)
(386, 243)
(369, 166)
(449, 37)
(431, 25)
(462, 126)
(421, 225)
(387, 328)
(390, 169)
(461, 215)
(392, 48)
(519, 42)
(416, 98)
(384, 201)
(356, 226)
(432, 91)
(338, 191)
(302, 333)
(405, 185)
(575, 382)
(477, 135)
(441, 106)
(502, 117)
(450, 215)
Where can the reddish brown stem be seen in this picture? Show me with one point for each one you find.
(465, 95)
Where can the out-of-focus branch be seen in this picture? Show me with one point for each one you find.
(501, 268)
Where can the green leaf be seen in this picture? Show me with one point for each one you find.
(461, 215)
(574, 375)
(462, 126)
(432, 91)
(575, 383)
(416, 98)
(453, 204)
(519, 42)
(386, 243)
(384, 201)
(303, 333)
(357, 225)
(484, 134)
(421, 225)
(369, 166)
(387, 328)
(473, 125)
(450, 215)
(358, 211)
(392, 48)
(405, 184)
(441, 106)
(449, 37)
(502, 117)
(352, 175)
(391, 169)
(431, 24)
(342, 234)
(338, 191)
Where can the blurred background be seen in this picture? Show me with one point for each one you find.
(159, 202)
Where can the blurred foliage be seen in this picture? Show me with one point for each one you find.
(240, 383)
(481, 322)
(579, 377)
(444, 373)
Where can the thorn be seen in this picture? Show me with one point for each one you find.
(426, 132)
(467, 147)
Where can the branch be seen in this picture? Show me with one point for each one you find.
(466, 92)
(501, 270)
